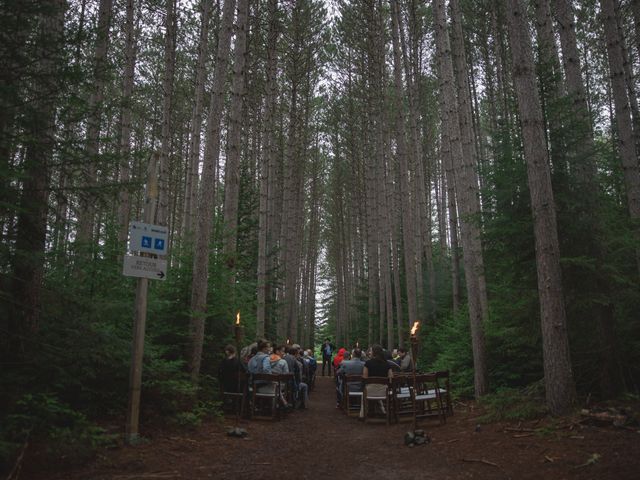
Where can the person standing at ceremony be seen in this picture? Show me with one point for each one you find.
(327, 352)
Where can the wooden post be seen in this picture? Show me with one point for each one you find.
(140, 317)
(414, 353)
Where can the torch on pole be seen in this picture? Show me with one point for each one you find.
(414, 356)
(238, 334)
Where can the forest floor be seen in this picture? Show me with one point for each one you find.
(322, 442)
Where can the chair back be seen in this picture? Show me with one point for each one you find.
(376, 381)
(426, 382)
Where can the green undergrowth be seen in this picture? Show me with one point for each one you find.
(68, 435)
(514, 404)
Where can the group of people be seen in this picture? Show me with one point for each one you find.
(376, 362)
(263, 358)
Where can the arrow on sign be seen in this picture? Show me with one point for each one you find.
(160, 274)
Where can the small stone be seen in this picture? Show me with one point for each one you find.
(420, 440)
(409, 438)
(242, 432)
(411, 445)
(419, 433)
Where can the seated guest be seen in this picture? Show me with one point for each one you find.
(312, 366)
(395, 366)
(247, 352)
(338, 358)
(406, 362)
(278, 364)
(303, 386)
(229, 369)
(377, 366)
(352, 366)
(260, 363)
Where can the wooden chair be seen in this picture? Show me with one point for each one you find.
(427, 397)
(287, 386)
(352, 398)
(238, 399)
(265, 390)
(402, 391)
(443, 378)
(384, 398)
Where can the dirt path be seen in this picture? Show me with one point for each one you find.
(322, 441)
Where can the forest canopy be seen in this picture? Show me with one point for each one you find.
(335, 168)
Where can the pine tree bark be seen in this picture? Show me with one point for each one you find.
(269, 152)
(469, 152)
(124, 206)
(626, 140)
(582, 162)
(232, 165)
(28, 259)
(163, 210)
(87, 203)
(466, 196)
(560, 389)
(207, 193)
(407, 221)
(192, 175)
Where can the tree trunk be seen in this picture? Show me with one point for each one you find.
(192, 180)
(269, 152)
(28, 260)
(125, 124)
(466, 196)
(232, 165)
(162, 212)
(560, 389)
(87, 205)
(407, 221)
(626, 140)
(207, 193)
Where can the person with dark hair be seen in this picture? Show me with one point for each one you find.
(377, 366)
(406, 362)
(260, 363)
(228, 370)
(353, 366)
(327, 352)
(278, 364)
(300, 389)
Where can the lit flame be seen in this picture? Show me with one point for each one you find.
(238, 319)
(357, 344)
(288, 341)
(414, 329)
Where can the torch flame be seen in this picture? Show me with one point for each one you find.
(238, 319)
(414, 329)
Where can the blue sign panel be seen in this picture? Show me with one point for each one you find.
(148, 238)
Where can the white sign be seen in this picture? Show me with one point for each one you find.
(144, 237)
(144, 267)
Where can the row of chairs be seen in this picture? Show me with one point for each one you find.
(428, 396)
(258, 395)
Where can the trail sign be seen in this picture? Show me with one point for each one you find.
(144, 267)
(148, 238)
